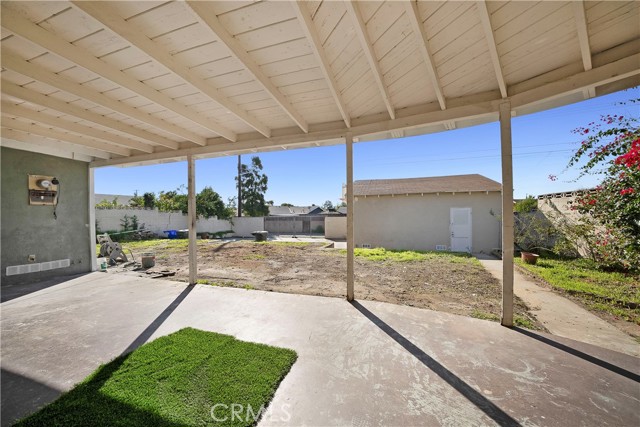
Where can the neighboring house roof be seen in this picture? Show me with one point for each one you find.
(294, 210)
(123, 199)
(436, 184)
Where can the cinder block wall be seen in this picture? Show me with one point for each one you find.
(33, 230)
(158, 222)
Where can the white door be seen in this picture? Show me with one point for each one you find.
(461, 229)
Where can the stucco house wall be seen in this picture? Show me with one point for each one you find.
(33, 230)
(417, 222)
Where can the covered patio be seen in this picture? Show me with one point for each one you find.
(360, 363)
(133, 83)
(126, 83)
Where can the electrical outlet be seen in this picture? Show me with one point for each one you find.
(32, 258)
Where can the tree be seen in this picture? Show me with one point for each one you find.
(136, 201)
(328, 205)
(105, 204)
(286, 205)
(611, 148)
(149, 200)
(528, 204)
(174, 200)
(210, 204)
(253, 183)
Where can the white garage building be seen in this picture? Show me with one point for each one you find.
(458, 213)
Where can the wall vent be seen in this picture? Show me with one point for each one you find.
(38, 266)
(366, 246)
(441, 247)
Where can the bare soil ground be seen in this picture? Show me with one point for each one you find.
(444, 283)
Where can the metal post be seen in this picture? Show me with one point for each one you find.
(507, 214)
(191, 204)
(92, 221)
(350, 208)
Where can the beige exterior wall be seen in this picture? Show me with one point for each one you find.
(417, 222)
(335, 227)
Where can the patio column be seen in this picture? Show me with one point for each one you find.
(507, 213)
(191, 204)
(350, 208)
(92, 220)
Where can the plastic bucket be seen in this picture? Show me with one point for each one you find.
(148, 259)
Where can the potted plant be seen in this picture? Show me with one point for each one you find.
(529, 257)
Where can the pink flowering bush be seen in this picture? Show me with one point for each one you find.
(611, 148)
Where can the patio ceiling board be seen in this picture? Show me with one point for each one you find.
(64, 123)
(310, 32)
(102, 82)
(361, 29)
(59, 81)
(227, 28)
(610, 24)
(43, 100)
(85, 59)
(101, 13)
(30, 128)
(18, 140)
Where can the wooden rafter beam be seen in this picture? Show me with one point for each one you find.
(583, 34)
(583, 39)
(361, 32)
(20, 140)
(36, 129)
(15, 63)
(101, 13)
(465, 109)
(28, 30)
(73, 110)
(121, 144)
(311, 34)
(423, 44)
(485, 20)
(210, 20)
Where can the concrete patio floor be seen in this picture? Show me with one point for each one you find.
(361, 364)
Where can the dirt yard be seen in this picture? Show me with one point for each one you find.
(442, 282)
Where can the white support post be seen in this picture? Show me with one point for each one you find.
(507, 214)
(92, 221)
(350, 208)
(193, 249)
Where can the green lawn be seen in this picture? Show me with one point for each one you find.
(382, 254)
(614, 293)
(175, 380)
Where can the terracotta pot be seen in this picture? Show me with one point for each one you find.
(529, 257)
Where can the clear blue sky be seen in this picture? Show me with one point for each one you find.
(542, 145)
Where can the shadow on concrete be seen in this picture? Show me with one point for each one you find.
(85, 404)
(484, 404)
(22, 395)
(153, 326)
(9, 292)
(582, 355)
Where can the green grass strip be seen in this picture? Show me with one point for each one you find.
(612, 292)
(175, 380)
(382, 254)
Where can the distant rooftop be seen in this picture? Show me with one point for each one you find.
(436, 184)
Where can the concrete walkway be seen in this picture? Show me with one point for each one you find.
(564, 317)
(360, 364)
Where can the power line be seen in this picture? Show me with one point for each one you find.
(532, 153)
